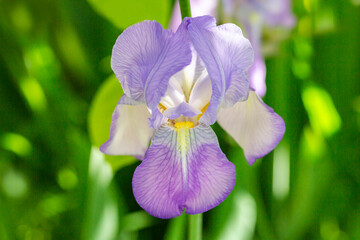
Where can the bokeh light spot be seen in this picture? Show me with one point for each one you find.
(14, 184)
(323, 115)
(67, 179)
(34, 94)
(21, 18)
(16, 143)
(281, 171)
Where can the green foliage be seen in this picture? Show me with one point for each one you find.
(124, 13)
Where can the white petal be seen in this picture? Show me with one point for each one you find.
(253, 125)
(129, 133)
(174, 94)
(201, 93)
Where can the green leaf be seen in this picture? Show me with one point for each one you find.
(125, 13)
(99, 119)
(102, 208)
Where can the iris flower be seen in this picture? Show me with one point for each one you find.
(175, 86)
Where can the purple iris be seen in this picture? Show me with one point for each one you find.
(176, 85)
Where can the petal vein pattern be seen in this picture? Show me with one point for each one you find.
(227, 55)
(184, 169)
(145, 54)
(175, 55)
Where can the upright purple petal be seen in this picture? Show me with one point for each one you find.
(254, 126)
(237, 56)
(145, 55)
(174, 56)
(129, 132)
(227, 56)
(184, 169)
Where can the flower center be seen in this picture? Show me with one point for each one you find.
(182, 125)
(187, 96)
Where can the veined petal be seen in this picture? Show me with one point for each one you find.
(254, 126)
(144, 55)
(227, 56)
(184, 168)
(175, 55)
(129, 132)
(238, 56)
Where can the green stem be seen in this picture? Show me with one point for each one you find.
(185, 8)
(195, 227)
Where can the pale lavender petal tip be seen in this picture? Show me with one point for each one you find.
(279, 129)
(254, 126)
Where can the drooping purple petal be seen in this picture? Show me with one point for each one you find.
(183, 169)
(129, 132)
(227, 56)
(144, 56)
(254, 126)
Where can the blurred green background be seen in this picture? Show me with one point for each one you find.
(57, 93)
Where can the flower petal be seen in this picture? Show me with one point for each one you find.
(254, 126)
(174, 94)
(129, 132)
(184, 109)
(183, 169)
(144, 55)
(201, 93)
(174, 56)
(227, 56)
